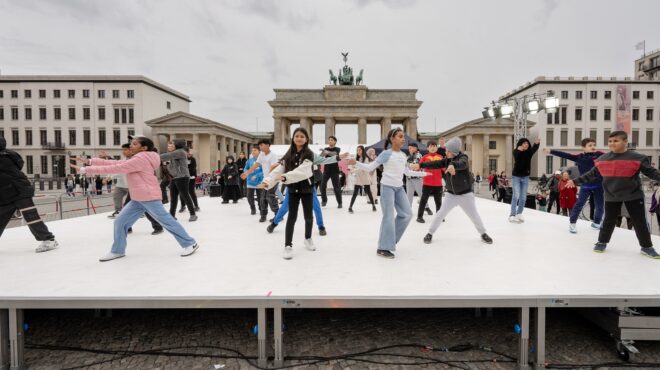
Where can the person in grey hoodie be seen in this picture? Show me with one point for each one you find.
(178, 169)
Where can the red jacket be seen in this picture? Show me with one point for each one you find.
(567, 196)
(435, 177)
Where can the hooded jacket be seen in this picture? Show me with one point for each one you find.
(13, 182)
(178, 159)
(230, 173)
(458, 184)
(256, 177)
(523, 159)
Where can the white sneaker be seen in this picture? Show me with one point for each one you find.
(309, 244)
(47, 245)
(111, 256)
(595, 226)
(288, 252)
(572, 228)
(520, 218)
(514, 219)
(187, 251)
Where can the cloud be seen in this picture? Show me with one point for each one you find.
(297, 18)
(544, 15)
(387, 3)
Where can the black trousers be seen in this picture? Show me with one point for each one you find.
(637, 214)
(30, 215)
(554, 198)
(501, 193)
(154, 224)
(191, 191)
(268, 198)
(180, 186)
(427, 191)
(251, 193)
(357, 189)
(164, 183)
(231, 192)
(294, 201)
(336, 186)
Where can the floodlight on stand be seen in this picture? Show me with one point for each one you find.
(491, 112)
(485, 114)
(506, 110)
(532, 106)
(551, 104)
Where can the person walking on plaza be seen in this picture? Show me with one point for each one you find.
(432, 184)
(331, 172)
(192, 170)
(145, 196)
(70, 184)
(459, 183)
(16, 193)
(553, 191)
(413, 184)
(266, 160)
(522, 157)
(620, 169)
(178, 169)
(502, 184)
(253, 181)
(393, 196)
(362, 179)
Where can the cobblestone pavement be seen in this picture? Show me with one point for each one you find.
(312, 332)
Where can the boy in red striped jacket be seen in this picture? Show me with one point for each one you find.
(620, 170)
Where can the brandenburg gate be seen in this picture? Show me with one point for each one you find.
(349, 102)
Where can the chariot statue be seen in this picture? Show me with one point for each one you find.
(345, 75)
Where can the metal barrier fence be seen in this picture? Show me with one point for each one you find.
(60, 206)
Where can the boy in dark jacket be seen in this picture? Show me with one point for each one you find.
(16, 193)
(585, 162)
(522, 163)
(458, 183)
(620, 170)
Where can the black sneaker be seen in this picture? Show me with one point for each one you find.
(262, 218)
(130, 230)
(374, 209)
(196, 209)
(157, 231)
(323, 204)
(271, 227)
(486, 239)
(420, 220)
(339, 206)
(272, 219)
(428, 210)
(650, 253)
(384, 253)
(322, 231)
(182, 210)
(600, 247)
(427, 238)
(350, 210)
(253, 212)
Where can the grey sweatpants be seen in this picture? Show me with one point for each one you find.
(118, 197)
(413, 184)
(466, 202)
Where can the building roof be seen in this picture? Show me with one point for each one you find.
(222, 126)
(94, 78)
(483, 122)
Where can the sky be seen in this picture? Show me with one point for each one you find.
(229, 55)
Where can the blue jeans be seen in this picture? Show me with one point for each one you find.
(392, 228)
(132, 212)
(285, 209)
(583, 197)
(519, 196)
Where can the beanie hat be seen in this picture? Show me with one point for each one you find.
(453, 145)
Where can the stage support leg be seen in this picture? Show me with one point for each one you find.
(4, 339)
(261, 335)
(279, 349)
(539, 362)
(16, 338)
(523, 353)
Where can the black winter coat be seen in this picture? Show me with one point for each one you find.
(14, 184)
(459, 184)
(230, 169)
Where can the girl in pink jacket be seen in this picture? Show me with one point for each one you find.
(145, 193)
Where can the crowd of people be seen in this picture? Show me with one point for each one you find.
(144, 181)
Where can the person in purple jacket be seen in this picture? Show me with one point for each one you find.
(585, 162)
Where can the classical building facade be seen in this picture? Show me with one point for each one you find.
(47, 119)
(210, 141)
(336, 104)
(648, 66)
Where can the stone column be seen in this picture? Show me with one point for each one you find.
(195, 142)
(468, 150)
(304, 123)
(486, 156)
(410, 127)
(285, 123)
(223, 148)
(385, 126)
(213, 152)
(277, 131)
(508, 155)
(362, 130)
(329, 127)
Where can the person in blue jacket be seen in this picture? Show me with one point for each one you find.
(585, 162)
(253, 180)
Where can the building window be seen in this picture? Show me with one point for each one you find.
(635, 114)
(168, 105)
(58, 138)
(564, 111)
(101, 94)
(635, 138)
(14, 94)
(14, 113)
(492, 144)
(649, 114)
(131, 132)
(86, 94)
(2, 94)
(57, 112)
(549, 118)
(44, 165)
(608, 94)
(72, 94)
(87, 137)
(578, 114)
(492, 164)
(72, 136)
(42, 113)
(72, 113)
(130, 94)
(116, 137)
(563, 162)
(28, 94)
(130, 115)
(649, 95)
(607, 115)
(563, 139)
(2, 132)
(578, 137)
(548, 164)
(28, 137)
(43, 137)
(649, 138)
(564, 94)
(86, 114)
(115, 94)
(2, 114)
(606, 136)
(123, 115)
(593, 94)
(28, 114)
(29, 164)
(101, 113)
(593, 114)
(14, 137)
(116, 115)
(578, 95)
(42, 94)
(593, 134)
(635, 94)
(102, 136)
(549, 138)
(56, 94)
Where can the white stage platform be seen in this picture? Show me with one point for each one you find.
(537, 264)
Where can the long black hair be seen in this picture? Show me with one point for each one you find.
(390, 135)
(288, 160)
(145, 141)
(360, 157)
